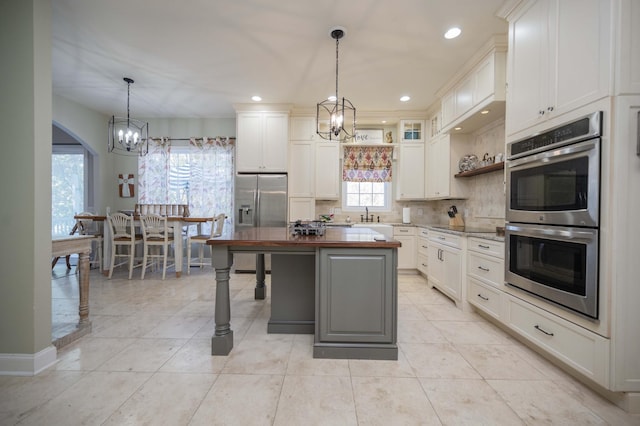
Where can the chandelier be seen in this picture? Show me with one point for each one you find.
(334, 115)
(128, 136)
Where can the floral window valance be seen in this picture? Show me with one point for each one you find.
(367, 164)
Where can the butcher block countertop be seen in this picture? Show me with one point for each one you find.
(282, 237)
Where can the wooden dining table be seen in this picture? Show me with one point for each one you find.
(176, 223)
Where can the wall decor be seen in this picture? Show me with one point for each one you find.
(369, 136)
(126, 185)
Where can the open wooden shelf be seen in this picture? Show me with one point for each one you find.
(481, 170)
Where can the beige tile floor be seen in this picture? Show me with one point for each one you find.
(148, 361)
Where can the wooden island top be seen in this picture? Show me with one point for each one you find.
(337, 237)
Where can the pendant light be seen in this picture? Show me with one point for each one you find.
(128, 136)
(335, 116)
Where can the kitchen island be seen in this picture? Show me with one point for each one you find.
(340, 286)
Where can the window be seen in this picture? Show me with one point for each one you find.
(366, 176)
(67, 187)
(374, 195)
(199, 174)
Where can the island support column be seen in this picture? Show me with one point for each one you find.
(261, 289)
(222, 340)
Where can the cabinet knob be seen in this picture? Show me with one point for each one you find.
(550, 109)
(541, 112)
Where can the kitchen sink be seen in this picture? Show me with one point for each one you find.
(386, 230)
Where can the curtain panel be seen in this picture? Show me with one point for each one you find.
(367, 164)
(199, 174)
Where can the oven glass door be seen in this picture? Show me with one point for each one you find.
(556, 263)
(557, 187)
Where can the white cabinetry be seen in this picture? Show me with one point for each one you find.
(485, 275)
(423, 253)
(445, 264)
(628, 77)
(302, 208)
(435, 124)
(303, 129)
(442, 156)
(412, 130)
(583, 350)
(480, 85)
(410, 172)
(559, 59)
(327, 170)
(407, 255)
(262, 140)
(301, 166)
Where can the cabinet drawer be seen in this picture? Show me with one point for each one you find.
(484, 297)
(404, 230)
(489, 247)
(423, 232)
(581, 349)
(422, 263)
(423, 246)
(446, 239)
(486, 268)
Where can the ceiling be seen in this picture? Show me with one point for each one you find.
(197, 58)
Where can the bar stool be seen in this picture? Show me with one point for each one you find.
(123, 234)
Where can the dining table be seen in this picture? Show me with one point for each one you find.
(175, 223)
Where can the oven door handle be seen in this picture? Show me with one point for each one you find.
(571, 234)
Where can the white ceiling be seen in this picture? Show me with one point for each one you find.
(196, 58)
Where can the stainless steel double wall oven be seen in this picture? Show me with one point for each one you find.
(553, 213)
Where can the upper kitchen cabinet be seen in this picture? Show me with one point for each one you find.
(262, 139)
(559, 59)
(301, 166)
(476, 96)
(327, 170)
(442, 156)
(303, 129)
(411, 130)
(628, 77)
(410, 172)
(435, 123)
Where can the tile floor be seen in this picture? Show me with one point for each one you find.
(147, 361)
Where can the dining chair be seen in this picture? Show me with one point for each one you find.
(123, 234)
(155, 233)
(87, 226)
(201, 240)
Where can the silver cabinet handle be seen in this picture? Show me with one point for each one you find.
(425, 247)
(441, 238)
(482, 297)
(484, 247)
(638, 135)
(403, 230)
(483, 269)
(540, 329)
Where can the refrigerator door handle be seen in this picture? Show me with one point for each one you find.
(256, 220)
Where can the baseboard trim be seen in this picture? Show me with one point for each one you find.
(27, 364)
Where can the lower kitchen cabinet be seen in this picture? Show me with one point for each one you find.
(356, 296)
(407, 256)
(445, 264)
(583, 350)
(423, 253)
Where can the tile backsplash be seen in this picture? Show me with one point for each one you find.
(485, 206)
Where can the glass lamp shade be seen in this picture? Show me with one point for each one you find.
(128, 136)
(336, 120)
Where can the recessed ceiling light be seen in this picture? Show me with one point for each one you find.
(484, 111)
(256, 98)
(332, 98)
(452, 33)
(405, 98)
(384, 121)
(457, 128)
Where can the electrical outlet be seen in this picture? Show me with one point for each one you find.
(420, 212)
(337, 211)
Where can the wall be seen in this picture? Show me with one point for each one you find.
(485, 206)
(25, 185)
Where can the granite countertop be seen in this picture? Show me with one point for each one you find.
(467, 231)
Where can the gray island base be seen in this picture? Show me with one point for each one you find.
(341, 286)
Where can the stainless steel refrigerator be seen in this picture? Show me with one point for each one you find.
(260, 201)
